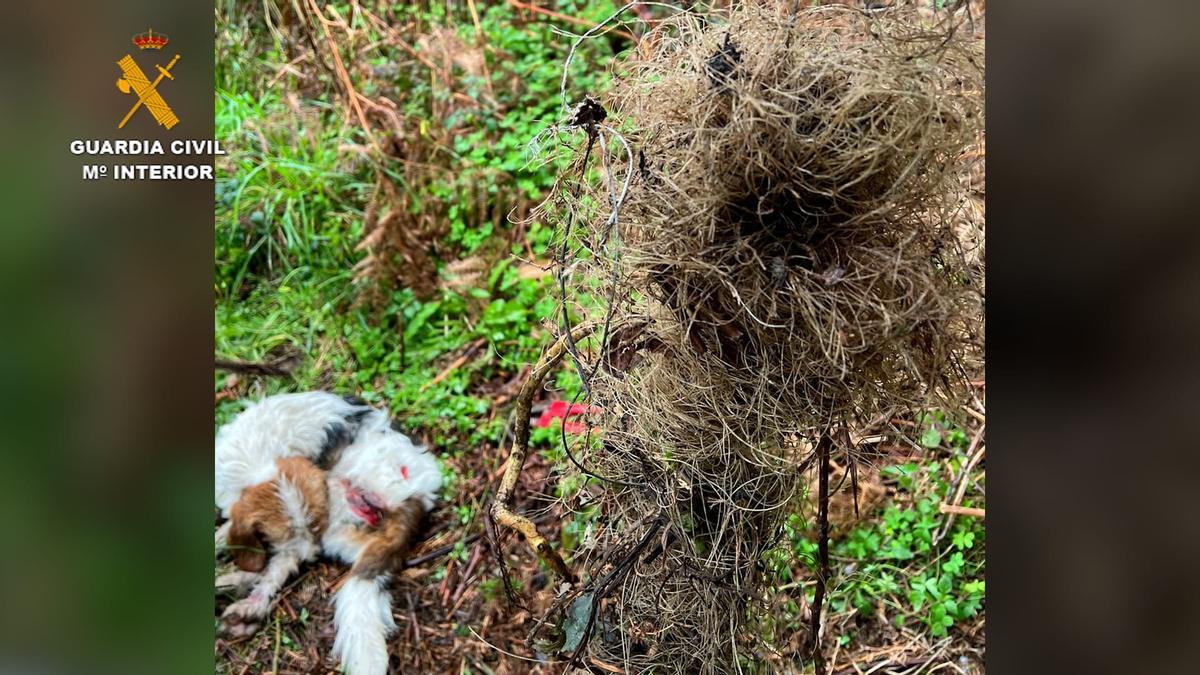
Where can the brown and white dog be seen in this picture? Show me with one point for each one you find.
(303, 474)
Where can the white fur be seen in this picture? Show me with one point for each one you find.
(283, 425)
(376, 461)
(363, 616)
(338, 542)
(238, 581)
(294, 505)
(373, 463)
(302, 542)
(242, 617)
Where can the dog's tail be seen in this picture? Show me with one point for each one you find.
(363, 607)
(364, 621)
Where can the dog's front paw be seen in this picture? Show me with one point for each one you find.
(238, 582)
(242, 618)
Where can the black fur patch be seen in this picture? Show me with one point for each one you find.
(337, 436)
(340, 434)
(355, 418)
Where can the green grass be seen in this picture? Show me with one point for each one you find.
(894, 560)
(285, 206)
(289, 212)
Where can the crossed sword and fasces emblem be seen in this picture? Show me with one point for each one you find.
(146, 91)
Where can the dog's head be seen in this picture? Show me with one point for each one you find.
(254, 523)
(260, 517)
(247, 546)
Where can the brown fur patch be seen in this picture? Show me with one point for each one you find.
(259, 518)
(388, 544)
(310, 480)
(246, 546)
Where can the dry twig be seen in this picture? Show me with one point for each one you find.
(502, 510)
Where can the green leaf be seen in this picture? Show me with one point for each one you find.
(886, 583)
(932, 438)
(917, 598)
(904, 473)
(974, 587)
(963, 539)
(937, 614)
(943, 585)
(898, 551)
(577, 619)
(422, 316)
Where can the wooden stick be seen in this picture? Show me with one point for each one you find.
(343, 75)
(604, 666)
(823, 447)
(458, 363)
(975, 451)
(961, 510)
(569, 19)
(502, 505)
(280, 367)
(482, 40)
(975, 413)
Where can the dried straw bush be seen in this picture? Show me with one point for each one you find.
(783, 267)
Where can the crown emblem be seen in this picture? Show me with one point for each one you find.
(150, 40)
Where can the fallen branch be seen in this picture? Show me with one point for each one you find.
(481, 40)
(975, 452)
(443, 550)
(280, 367)
(604, 666)
(895, 665)
(439, 552)
(502, 505)
(569, 19)
(342, 74)
(458, 363)
(823, 447)
(961, 510)
(976, 414)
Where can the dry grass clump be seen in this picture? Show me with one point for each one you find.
(788, 270)
(401, 85)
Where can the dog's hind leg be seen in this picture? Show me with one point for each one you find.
(243, 617)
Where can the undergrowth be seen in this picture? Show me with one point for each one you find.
(892, 566)
(289, 212)
(290, 206)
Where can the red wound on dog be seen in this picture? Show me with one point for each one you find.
(404, 472)
(362, 505)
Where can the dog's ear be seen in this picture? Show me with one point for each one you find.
(246, 546)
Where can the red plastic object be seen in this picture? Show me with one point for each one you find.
(563, 410)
